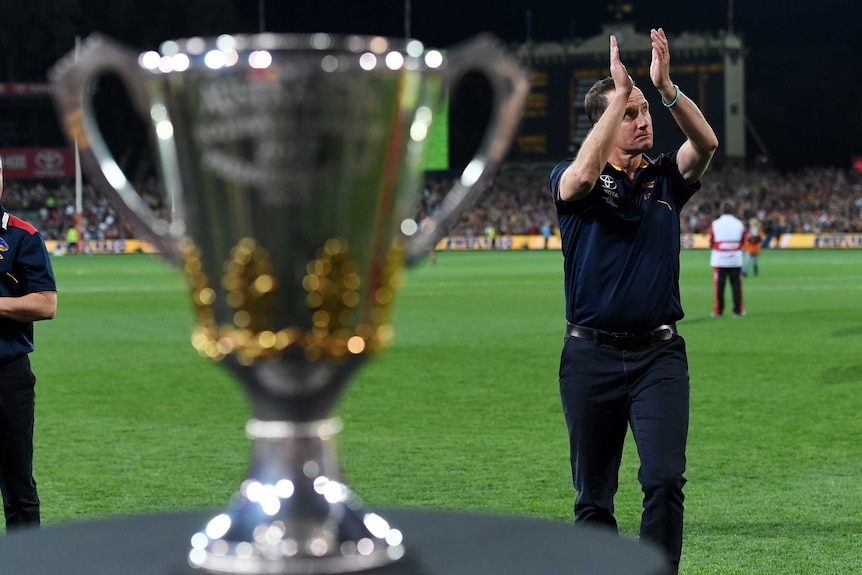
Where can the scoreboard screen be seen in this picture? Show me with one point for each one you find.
(555, 122)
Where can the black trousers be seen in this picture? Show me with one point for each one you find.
(604, 390)
(17, 408)
(720, 278)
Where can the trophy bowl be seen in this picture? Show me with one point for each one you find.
(294, 165)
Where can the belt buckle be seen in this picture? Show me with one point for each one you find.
(621, 340)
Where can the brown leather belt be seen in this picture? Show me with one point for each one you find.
(622, 340)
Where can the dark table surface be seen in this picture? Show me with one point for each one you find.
(437, 543)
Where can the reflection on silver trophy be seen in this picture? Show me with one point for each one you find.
(294, 164)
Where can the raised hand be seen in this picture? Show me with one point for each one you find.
(659, 69)
(622, 80)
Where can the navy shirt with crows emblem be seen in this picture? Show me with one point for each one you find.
(621, 246)
(24, 268)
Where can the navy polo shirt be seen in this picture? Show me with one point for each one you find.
(621, 247)
(24, 268)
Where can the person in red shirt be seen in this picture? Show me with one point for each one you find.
(726, 239)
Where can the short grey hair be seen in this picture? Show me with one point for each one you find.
(596, 100)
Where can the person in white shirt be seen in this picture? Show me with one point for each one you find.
(727, 239)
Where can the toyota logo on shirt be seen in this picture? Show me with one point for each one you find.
(48, 160)
(608, 182)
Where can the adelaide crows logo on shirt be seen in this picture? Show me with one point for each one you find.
(647, 188)
(4, 247)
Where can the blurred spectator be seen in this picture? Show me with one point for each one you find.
(753, 245)
(72, 238)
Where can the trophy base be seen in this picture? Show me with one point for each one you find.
(293, 567)
(287, 556)
(293, 516)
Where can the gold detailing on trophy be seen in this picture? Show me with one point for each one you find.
(333, 285)
(249, 286)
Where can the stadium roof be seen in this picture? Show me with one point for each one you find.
(631, 41)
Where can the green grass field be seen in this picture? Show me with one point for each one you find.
(462, 411)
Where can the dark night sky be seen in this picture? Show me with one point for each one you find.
(804, 65)
(764, 22)
(804, 61)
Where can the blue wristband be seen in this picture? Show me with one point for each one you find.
(675, 100)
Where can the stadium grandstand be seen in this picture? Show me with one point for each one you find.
(814, 201)
(41, 180)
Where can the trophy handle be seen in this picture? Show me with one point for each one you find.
(510, 86)
(73, 79)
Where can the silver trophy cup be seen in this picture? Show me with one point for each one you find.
(294, 164)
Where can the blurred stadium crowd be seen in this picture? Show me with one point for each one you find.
(815, 200)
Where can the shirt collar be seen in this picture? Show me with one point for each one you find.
(645, 161)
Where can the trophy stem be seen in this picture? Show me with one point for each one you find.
(293, 515)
